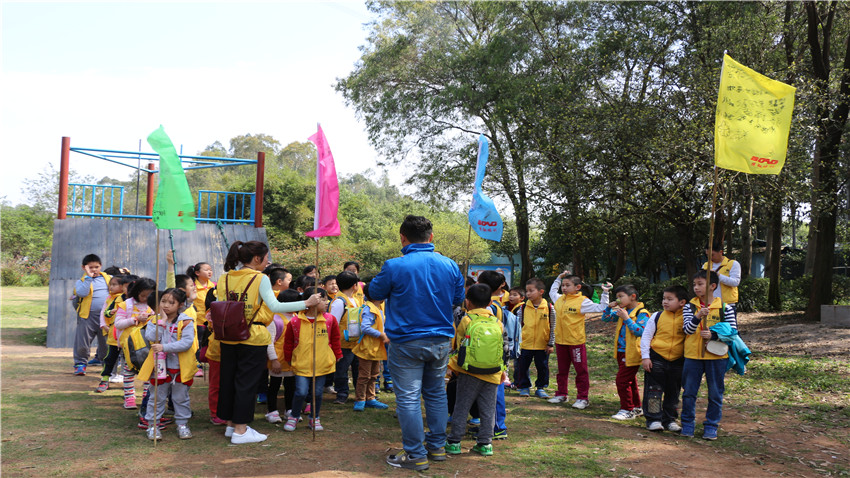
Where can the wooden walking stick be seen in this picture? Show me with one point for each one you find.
(708, 294)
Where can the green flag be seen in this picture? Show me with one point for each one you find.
(174, 207)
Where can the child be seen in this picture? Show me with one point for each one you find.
(631, 318)
(476, 385)
(370, 349)
(538, 339)
(495, 280)
(329, 284)
(354, 268)
(515, 299)
(280, 279)
(212, 355)
(298, 351)
(201, 274)
(347, 283)
(571, 306)
(699, 361)
(174, 334)
(280, 372)
(662, 349)
(91, 290)
(132, 315)
(107, 325)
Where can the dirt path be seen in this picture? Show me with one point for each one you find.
(751, 445)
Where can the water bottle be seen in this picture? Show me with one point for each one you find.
(161, 372)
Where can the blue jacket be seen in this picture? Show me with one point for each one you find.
(420, 289)
(739, 353)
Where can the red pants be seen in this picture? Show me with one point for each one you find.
(215, 366)
(575, 355)
(627, 386)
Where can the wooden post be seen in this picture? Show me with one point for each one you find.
(64, 168)
(708, 294)
(149, 206)
(258, 191)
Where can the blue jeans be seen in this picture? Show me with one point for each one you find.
(418, 368)
(386, 372)
(302, 390)
(692, 373)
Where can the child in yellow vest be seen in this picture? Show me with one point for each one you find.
(515, 299)
(370, 350)
(91, 291)
(329, 284)
(280, 371)
(698, 318)
(132, 315)
(298, 351)
(348, 285)
(572, 304)
(479, 388)
(173, 333)
(537, 317)
(631, 318)
(107, 326)
(662, 352)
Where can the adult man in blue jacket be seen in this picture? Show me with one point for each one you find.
(420, 289)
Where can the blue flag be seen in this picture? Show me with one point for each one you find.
(483, 216)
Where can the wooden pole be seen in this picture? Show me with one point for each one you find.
(156, 340)
(315, 326)
(708, 294)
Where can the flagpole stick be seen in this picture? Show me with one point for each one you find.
(315, 326)
(156, 341)
(468, 241)
(708, 294)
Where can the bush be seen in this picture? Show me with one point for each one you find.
(752, 294)
(650, 293)
(19, 271)
(9, 276)
(32, 280)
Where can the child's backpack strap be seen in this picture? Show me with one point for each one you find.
(279, 325)
(655, 319)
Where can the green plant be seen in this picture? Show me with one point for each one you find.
(752, 294)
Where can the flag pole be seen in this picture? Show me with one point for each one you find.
(708, 262)
(173, 253)
(156, 341)
(315, 326)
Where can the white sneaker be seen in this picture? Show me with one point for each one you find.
(116, 379)
(581, 404)
(637, 412)
(558, 399)
(673, 427)
(330, 390)
(288, 414)
(250, 436)
(623, 415)
(273, 417)
(655, 427)
(228, 432)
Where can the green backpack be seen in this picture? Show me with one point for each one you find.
(481, 350)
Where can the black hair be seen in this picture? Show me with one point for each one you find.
(366, 292)
(627, 289)
(275, 274)
(123, 279)
(468, 281)
(328, 278)
(289, 295)
(210, 298)
(351, 263)
(112, 270)
(493, 279)
(584, 288)
(139, 286)
(518, 290)
(89, 258)
(308, 281)
(174, 292)
(314, 290)
(346, 280)
(716, 246)
(308, 269)
(181, 280)
(192, 271)
(416, 228)
(298, 283)
(701, 275)
(537, 283)
(478, 295)
(680, 292)
(244, 252)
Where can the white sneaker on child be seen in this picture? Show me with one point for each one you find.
(655, 427)
(250, 436)
(673, 427)
(623, 415)
(290, 424)
(228, 432)
(116, 379)
(581, 404)
(558, 399)
(273, 417)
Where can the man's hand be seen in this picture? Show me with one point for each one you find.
(647, 365)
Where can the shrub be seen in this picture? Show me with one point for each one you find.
(9, 276)
(752, 294)
(32, 280)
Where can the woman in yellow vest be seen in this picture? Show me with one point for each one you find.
(298, 347)
(371, 349)
(243, 362)
(172, 333)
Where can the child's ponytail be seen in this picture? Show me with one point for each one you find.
(140, 286)
(192, 271)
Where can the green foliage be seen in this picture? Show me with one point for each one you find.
(650, 293)
(807, 373)
(26, 231)
(752, 295)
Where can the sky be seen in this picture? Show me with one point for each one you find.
(107, 74)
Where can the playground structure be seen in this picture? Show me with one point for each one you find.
(95, 221)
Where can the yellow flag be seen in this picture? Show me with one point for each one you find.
(753, 120)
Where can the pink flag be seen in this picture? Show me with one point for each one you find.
(325, 222)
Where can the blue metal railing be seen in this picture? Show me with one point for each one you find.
(99, 199)
(225, 206)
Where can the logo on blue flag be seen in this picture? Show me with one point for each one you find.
(483, 216)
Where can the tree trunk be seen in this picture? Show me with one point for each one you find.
(747, 238)
(773, 298)
(620, 269)
(522, 232)
(685, 232)
(578, 266)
